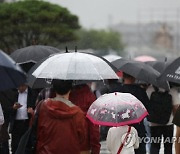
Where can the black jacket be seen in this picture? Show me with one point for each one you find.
(6, 100)
(139, 93)
(31, 99)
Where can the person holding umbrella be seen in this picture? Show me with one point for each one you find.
(118, 110)
(163, 106)
(82, 96)
(6, 99)
(129, 86)
(22, 109)
(61, 124)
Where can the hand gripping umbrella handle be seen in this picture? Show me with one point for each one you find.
(120, 148)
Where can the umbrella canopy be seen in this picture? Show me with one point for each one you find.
(157, 65)
(75, 66)
(116, 109)
(11, 74)
(171, 72)
(140, 71)
(111, 57)
(144, 58)
(26, 66)
(33, 53)
(34, 82)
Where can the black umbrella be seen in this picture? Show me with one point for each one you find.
(34, 82)
(140, 71)
(158, 65)
(172, 72)
(11, 74)
(33, 53)
(27, 66)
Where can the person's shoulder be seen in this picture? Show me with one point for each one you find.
(137, 86)
(137, 89)
(133, 129)
(173, 91)
(134, 86)
(77, 108)
(118, 129)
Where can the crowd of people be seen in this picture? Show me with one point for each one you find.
(62, 124)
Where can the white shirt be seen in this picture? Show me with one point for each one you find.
(175, 101)
(22, 111)
(116, 136)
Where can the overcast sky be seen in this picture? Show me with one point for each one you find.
(102, 13)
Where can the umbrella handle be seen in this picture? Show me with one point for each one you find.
(67, 49)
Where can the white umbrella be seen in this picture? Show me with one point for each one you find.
(111, 57)
(75, 66)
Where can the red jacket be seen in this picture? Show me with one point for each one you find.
(83, 97)
(61, 128)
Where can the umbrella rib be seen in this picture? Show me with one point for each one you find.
(116, 112)
(95, 68)
(69, 64)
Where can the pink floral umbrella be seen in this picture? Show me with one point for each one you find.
(116, 109)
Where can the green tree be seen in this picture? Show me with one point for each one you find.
(101, 40)
(28, 22)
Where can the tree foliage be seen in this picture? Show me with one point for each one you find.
(28, 22)
(101, 40)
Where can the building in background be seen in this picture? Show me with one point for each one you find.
(156, 39)
(163, 38)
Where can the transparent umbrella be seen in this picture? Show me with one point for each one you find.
(116, 109)
(75, 66)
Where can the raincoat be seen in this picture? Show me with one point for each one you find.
(61, 127)
(83, 97)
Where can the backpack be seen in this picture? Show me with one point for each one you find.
(160, 107)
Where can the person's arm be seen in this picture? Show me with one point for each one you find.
(177, 143)
(94, 130)
(174, 109)
(81, 126)
(94, 138)
(136, 144)
(175, 99)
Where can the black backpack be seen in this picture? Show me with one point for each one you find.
(160, 107)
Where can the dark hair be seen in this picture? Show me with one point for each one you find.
(62, 87)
